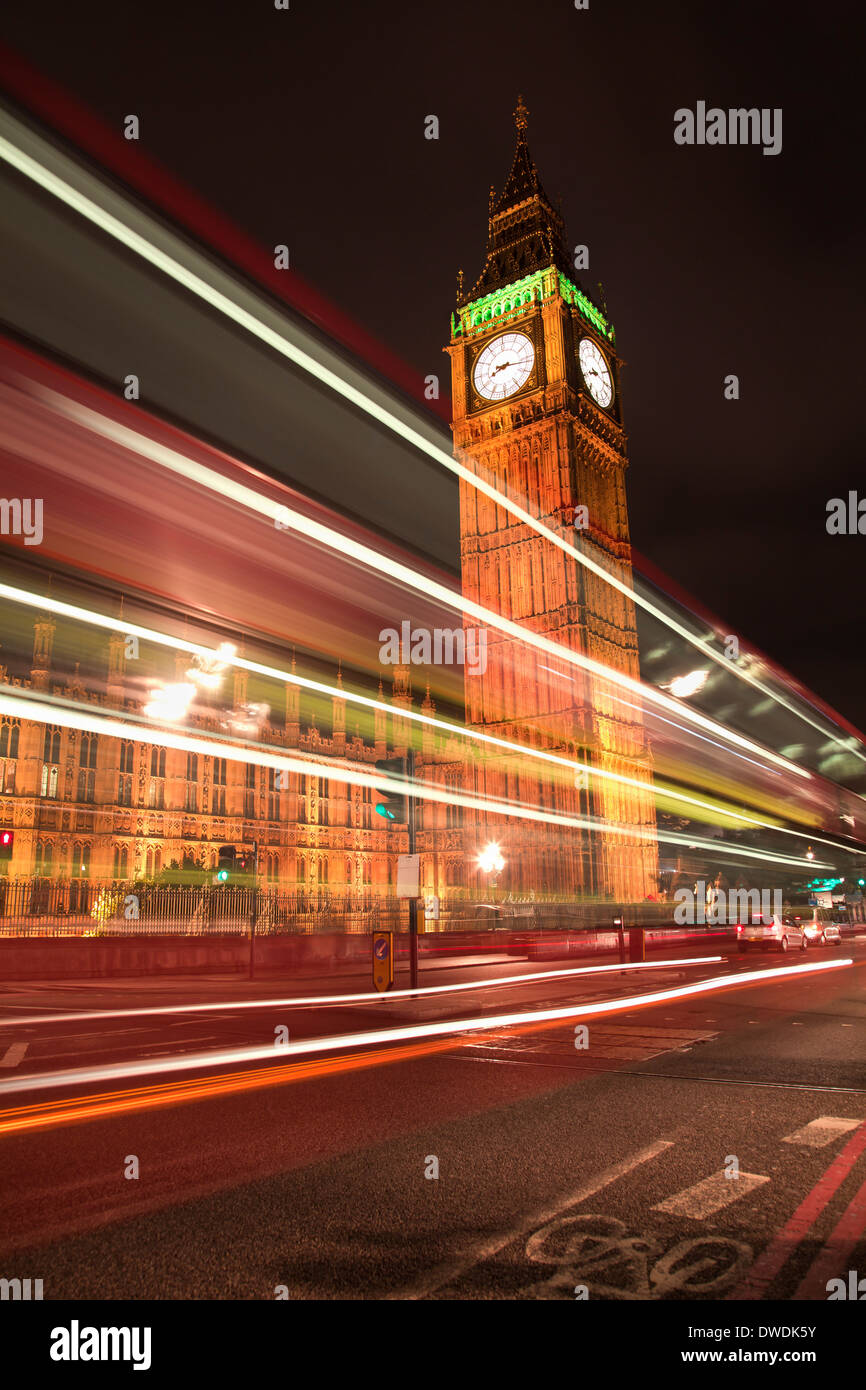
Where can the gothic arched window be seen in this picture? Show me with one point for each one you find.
(51, 744)
(124, 780)
(48, 784)
(9, 739)
(8, 751)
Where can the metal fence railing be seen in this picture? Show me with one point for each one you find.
(82, 907)
(58, 907)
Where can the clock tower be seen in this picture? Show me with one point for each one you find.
(538, 416)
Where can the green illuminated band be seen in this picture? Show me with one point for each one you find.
(541, 284)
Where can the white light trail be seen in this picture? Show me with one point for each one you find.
(229, 657)
(101, 620)
(171, 265)
(289, 518)
(305, 1001)
(339, 1043)
(78, 717)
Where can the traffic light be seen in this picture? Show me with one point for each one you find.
(225, 862)
(392, 805)
(7, 843)
(236, 864)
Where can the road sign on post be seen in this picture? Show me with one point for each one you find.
(408, 875)
(412, 820)
(394, 805)
(383, 960)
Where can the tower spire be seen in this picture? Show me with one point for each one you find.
(525, 230)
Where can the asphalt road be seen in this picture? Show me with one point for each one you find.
(599, 1168)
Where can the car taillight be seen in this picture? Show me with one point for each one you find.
(739, 929)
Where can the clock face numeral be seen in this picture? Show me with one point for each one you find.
(504, 366)
(596, 372)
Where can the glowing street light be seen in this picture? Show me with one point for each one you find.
(169, 702)
(490, 859)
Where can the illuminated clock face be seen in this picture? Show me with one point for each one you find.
(504, 366)
(596, 372)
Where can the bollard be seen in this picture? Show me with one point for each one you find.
(620, 939)
(636, 943)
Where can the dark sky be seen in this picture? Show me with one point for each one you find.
(307, 126)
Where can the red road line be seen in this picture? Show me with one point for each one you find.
(768, 1265)
(836, 1254)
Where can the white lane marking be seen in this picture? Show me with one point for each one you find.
(482, 1250)
(817, 1134)
(617, 1044)
(710, 1195)
(14, 1054)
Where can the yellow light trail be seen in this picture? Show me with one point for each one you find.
(416, 1040)
(101, 620)
(86, 720)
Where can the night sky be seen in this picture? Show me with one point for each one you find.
(307, 127)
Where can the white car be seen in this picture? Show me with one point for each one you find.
(772, 933)
(819, 931)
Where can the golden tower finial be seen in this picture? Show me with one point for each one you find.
(521, 114)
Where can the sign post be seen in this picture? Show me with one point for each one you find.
(618, 927)
(383, 960)
(400, 807)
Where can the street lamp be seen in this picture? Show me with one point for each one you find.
(169, 702)
(490, 859)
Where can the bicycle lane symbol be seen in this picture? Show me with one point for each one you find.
(598, 1251)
